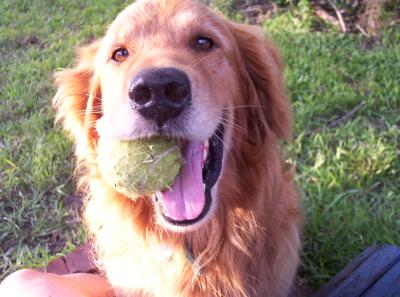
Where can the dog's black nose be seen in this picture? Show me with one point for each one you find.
(160, 94)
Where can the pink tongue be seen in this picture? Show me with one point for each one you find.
(186, 199)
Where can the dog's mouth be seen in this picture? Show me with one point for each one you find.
(189, 200)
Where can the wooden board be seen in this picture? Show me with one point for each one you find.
(375, 273)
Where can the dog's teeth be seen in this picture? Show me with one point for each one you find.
(205, 151)
(159, 195)
(204, 187)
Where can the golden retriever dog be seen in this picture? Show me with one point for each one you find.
(230, 225)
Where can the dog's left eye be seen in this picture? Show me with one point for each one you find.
(203, 43)
(120, 55)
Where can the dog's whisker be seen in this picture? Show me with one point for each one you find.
(243, 106)
(236, 138)
(73, 113)
(235, 126)
(223, 4)
(88, 95)
(91, 26)
(92, 109)
(222, 141)
(200, 60)
(84, 112)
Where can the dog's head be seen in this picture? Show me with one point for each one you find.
(176, 68)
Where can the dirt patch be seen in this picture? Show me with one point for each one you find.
(9, 44)
(28, 41)
(301, 289)
(360, 16)
(73, 202)
(257, 14)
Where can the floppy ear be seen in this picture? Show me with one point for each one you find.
(261, 68)
(77, 101)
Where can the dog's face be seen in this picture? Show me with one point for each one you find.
(165, 68)
(177, 69)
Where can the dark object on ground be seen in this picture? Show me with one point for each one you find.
(301, 289)
(374, 273)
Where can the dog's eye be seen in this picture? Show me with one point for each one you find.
(120, 55)
(203, 43)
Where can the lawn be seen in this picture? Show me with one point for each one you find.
(346, 100)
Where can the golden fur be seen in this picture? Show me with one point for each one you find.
(249, 245)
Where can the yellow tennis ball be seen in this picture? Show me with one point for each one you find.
(138, 167)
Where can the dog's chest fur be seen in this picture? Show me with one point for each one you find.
(149, 271)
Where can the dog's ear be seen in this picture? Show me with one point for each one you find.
(77, 101)
(261, 69)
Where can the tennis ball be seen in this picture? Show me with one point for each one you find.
(138, 167)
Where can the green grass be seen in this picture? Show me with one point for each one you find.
(347, 174)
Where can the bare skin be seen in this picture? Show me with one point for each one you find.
(32, 283)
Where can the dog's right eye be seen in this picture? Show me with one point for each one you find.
(120, 55)
(203, 43)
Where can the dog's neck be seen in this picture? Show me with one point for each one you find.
(165, 252)
(191, 259)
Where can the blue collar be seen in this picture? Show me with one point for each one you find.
(190, 257)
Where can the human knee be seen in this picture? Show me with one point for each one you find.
(17, 280)
(24, 275)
